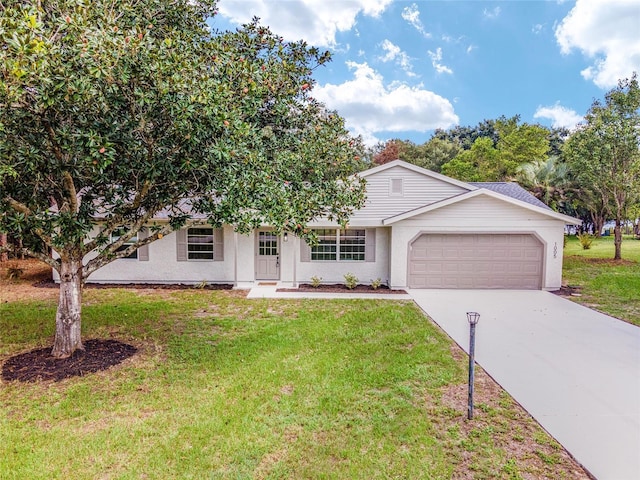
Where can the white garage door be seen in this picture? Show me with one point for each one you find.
(476, 261)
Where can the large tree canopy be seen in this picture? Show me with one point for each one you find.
(112, 111)
(603, 154)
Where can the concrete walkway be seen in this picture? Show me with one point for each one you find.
(576, 371)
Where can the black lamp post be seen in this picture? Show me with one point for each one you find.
(473, 318)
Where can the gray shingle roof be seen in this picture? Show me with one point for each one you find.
(511, 189)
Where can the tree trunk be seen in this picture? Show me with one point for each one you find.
(67, 339)
(598, 223)
(3, 243)
(618, 240)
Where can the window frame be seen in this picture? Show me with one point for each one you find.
(334, 243)
(115, 236)
(396, 182)
(189, 244)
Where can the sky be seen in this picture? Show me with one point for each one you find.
(401, 69)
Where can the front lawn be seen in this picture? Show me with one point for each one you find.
(225, 387)
(609, 286)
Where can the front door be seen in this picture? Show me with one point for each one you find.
(267, 256)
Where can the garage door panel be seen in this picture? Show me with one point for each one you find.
(476, 261)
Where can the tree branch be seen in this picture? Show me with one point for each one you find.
(22, 208)
(109, 254)
(55, 264)
(71, 189)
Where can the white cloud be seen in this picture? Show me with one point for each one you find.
(316, 22)
(394, 53)
(471, 48)
(607, 33)
(537, 28)
(412, 15)
(436, 57)
(491, 14)
(370, 106)
(560, 116)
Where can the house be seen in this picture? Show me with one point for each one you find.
(418, 229)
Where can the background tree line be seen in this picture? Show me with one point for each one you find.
(591, 172)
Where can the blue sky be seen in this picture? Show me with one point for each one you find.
(400, 68)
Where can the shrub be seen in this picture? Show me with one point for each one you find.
(316, 281)
(375, 284)
(14, 272)
(585, 240)
(350, 281)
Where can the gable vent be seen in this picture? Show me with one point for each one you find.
(396, 186)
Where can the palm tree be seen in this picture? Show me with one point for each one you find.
(547, 180)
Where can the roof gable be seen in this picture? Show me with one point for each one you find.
(416, 169)
(398, 187)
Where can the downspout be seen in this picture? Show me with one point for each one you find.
(296, 247)
(235, 259)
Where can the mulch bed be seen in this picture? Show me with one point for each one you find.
(40, 365)
(569, 291)
(157, 286)
(340, 288)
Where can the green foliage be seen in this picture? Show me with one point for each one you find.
(519, 144)
(585, 240)
(121, 109)
(350, 281)
(316, 281)
(548, 180)
(375, 284)
(480, 163)
(495, 149)
(603, 155)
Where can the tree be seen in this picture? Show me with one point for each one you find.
(497, 148)
(430, 155)
(547, 180)
(520, 143)
(465, 137)
(479, 164)
(112, 111)
(387, 152)
(604, 153)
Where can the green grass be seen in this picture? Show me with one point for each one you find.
(603, 247)
(606, 285)
(225, 387)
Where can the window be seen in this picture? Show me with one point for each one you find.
(267, 244)
(327, 245)
(115, 235)
(200, 243)
(352, 245)
(340, 245)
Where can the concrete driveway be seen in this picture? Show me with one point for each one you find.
(576, 371)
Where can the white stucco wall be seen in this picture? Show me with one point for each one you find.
(163, 267)
(480, 215)
(333, 272)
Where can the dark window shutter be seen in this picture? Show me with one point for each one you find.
(181, 245)
(218, 244)
(370, 245)
(305, 251)
(143, 252)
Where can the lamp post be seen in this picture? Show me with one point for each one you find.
(473, 318)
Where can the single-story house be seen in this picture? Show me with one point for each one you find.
(418, 229)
